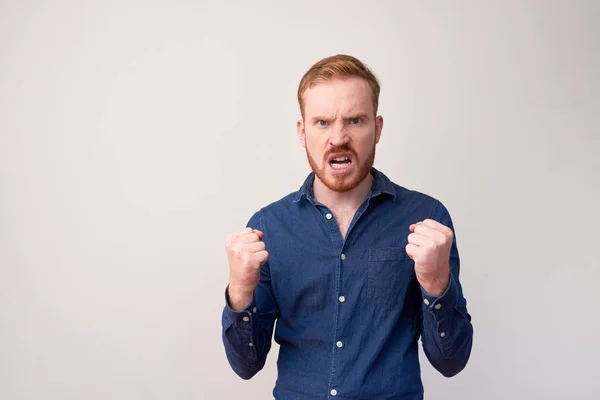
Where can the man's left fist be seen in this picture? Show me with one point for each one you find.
(429, 246)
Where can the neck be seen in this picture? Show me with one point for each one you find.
(345, 200)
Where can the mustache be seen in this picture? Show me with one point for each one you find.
(340, 149)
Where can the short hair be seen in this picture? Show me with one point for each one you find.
(338, 66)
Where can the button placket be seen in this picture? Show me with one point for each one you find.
(338, 344)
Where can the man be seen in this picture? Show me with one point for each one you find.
(353, 267)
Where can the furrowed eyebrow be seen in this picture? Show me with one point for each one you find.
(351, 116)
(320, 118)
(361, 116)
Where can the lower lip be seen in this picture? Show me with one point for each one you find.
(340, 171)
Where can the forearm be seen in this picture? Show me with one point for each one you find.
(447, 332)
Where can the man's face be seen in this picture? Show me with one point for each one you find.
(340, 131)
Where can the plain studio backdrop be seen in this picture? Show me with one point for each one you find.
(135, 135)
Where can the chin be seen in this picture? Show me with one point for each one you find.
(342, 183)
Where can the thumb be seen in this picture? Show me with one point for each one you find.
(259, 233)
(413, 226)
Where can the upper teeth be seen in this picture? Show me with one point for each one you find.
(340, 158)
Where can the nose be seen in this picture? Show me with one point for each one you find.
(338, 136)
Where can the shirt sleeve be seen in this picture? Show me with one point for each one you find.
(247, 334)
(447, 332)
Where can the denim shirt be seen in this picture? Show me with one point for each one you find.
(348, 313)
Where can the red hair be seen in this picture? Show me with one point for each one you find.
(339, 66)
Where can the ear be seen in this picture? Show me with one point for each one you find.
(301, 132)
(378, 128)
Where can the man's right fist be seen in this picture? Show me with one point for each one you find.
(246, 252)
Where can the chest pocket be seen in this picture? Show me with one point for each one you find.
(390, 272)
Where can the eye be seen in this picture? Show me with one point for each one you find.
(355, 121)
(321, 122)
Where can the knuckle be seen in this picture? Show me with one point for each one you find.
(447, 238)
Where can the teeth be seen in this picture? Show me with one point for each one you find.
(340, 159)
(339, 166)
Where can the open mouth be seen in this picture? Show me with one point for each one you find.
(340, 162)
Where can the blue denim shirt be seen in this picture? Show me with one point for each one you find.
(348, 313)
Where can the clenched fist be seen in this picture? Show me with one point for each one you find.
(246, 252)
(429, 246)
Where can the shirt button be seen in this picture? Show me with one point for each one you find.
(438, 306)
(426, 301)
(342, 299)
(254, 310)
(343, 256)
(246, 319)
(333, 392)
(443, 334)
(250, 344)
(328, 215)
(339, 344)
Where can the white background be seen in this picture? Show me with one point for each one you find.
(135, 135)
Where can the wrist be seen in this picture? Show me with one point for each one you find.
(239, 298)
(434, 290)
(437, 286)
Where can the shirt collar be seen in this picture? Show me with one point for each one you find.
(381, 184)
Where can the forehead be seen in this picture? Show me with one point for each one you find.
(339, 96)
